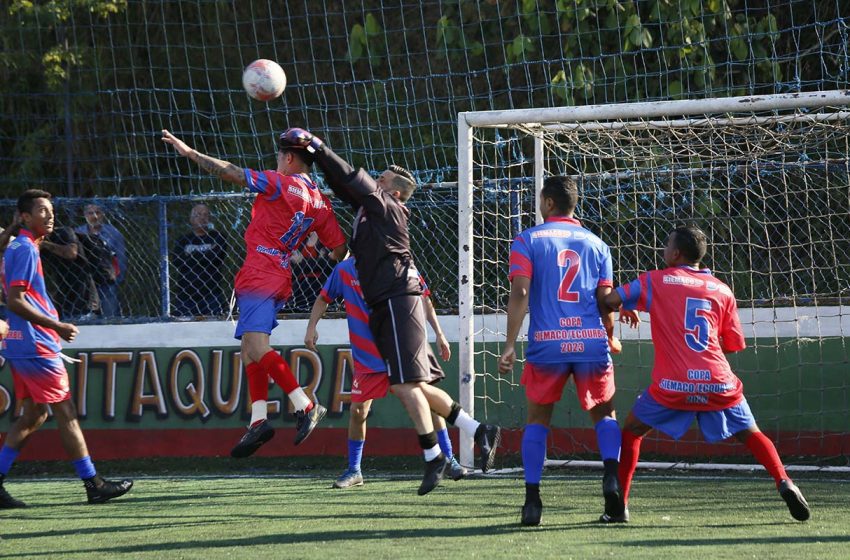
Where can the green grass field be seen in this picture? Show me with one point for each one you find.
(211, 516)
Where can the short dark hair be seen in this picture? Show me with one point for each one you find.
(563, 191)
(403, 182)
(691, 242)
(27, 200)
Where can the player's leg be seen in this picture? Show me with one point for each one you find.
(259, 429)
(32, 417)
(487, 436)
(538, 420)
(595, 390)
(633, 433)
(98, 489)
(414, 402)
(455, 470)
(353, 476)
(739, 421)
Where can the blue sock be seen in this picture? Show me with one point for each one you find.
(534, 451)
(609, 437)
(7, 457)
(355, 453)
(85, 468)
(445, 443)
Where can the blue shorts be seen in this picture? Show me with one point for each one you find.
(257, 313)
(715, 425)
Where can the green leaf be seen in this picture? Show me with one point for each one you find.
(372, 26)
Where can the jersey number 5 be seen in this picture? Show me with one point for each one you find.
(696, 325)
(570, 260)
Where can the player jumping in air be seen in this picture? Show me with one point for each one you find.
(694, 318)
(559, 271)
(380, 243)
(32, 349)
(370, 371)
(287, 208)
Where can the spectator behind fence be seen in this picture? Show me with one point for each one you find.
(105, 249)
(198, 259)
(310, 268)
(69, 273)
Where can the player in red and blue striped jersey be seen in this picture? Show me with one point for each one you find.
(287, 208)
(559, 271)
(694, 322)
(32, 347)
(370, 379)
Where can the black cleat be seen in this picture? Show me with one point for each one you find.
(613, 494)
(488, 437)
(102, 490)
(306, 421)
(257, 434)
(434, 471)
(7, 501)
(532, 511)
(797, 504)
(622, 518)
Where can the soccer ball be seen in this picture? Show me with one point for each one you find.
(264, 80)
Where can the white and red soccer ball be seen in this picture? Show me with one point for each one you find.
(264, 80)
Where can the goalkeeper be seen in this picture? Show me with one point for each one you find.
(380, 243)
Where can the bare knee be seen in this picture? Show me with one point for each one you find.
(602, 410)
(359, 411)
(34, 415)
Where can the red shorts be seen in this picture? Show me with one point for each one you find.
(368, 386)
(544, 383)
(44, 380)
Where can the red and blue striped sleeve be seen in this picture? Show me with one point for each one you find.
(333, 286)
(637, 294)
(21, 267)
(520, 259)
(262, 182)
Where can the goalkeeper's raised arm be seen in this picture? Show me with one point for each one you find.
(347, 183)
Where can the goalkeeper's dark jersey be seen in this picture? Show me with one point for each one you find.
(380, 240)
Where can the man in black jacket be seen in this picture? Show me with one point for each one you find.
(380, 243)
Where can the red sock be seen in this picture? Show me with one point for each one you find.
(258, 382)
(629, 453)
(765, 453)
(278, 369)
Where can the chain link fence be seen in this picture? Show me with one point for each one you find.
(170, 258)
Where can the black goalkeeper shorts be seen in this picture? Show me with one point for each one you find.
(398, 327)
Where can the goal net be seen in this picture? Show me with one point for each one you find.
(767, 178)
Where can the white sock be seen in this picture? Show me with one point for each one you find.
(431, 454)
(259, 411)
(467, 423)
(299, 399)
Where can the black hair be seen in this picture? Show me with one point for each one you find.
(27, 200)
(563, 191)
(691, 242)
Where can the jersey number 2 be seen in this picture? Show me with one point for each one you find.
(570, 260)
(697, 328)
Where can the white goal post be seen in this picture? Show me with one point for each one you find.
(795, 144)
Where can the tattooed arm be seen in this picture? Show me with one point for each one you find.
(221, 169)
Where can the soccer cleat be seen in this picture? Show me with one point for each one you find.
(434, 471)
(306, 421)
(797, 504)
(348, 479)
(614, 505)
(257, 434)
(455, 470)
(622, 518)
(102, 490)
(7, 501)
(532, 511)
(488, 437)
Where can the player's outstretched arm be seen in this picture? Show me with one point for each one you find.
(338, 253)
(20, 306)
(311, 337)
(517, 306)
(221, 169)
(348, 183)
